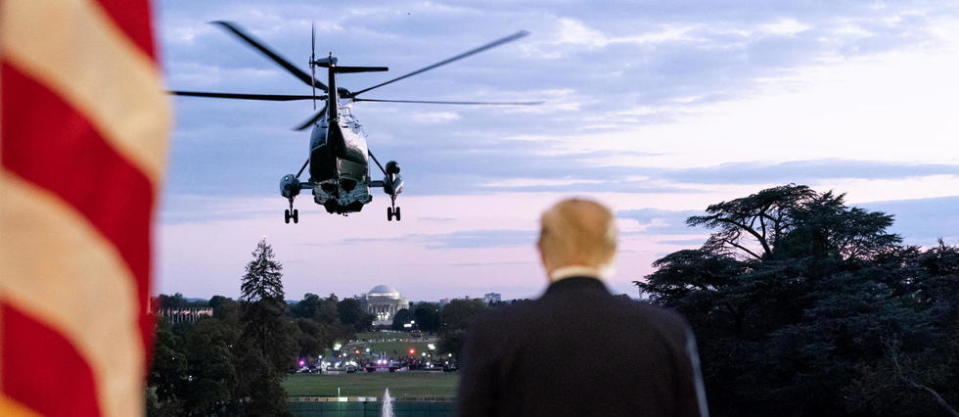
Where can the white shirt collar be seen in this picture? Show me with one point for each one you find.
(577, 271)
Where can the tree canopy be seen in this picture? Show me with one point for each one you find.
(805, 306)
(232, 363)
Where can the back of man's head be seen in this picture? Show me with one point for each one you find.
(577, 232)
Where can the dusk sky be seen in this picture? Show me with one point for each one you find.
(656, 108)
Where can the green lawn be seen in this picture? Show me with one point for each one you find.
(401, 384)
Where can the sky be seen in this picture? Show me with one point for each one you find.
(655, 108)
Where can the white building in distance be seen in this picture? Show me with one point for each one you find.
(383, 302)
(493, 297)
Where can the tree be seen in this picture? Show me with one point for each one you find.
(264, 277)
(400, 318)
(759, 219)
(795, 298)
(427, 316)
(168, 371)
(352, 314)
(307, 307)
(823, 226)
(225, 309)
(313, 338)
(261, 384)
(266, 343)
(212, 378)
(327, 311)
(456, 316)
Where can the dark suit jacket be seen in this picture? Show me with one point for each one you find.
(580, 351)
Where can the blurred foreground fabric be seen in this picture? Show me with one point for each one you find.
(83, 137)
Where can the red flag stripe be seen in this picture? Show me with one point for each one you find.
(37, 359)
(110, 80)
(59, 150)
(133, 17)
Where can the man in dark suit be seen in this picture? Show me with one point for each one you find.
(579, 350)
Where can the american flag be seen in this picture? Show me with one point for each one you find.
(84, 126)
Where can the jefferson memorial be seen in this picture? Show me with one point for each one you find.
(383, 302)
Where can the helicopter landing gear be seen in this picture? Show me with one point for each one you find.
(392, 211)
(291, 214)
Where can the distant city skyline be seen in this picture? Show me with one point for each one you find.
(657, 109)
(289, 300)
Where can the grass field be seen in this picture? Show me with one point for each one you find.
(401, 384)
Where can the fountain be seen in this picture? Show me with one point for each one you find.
(387, 404)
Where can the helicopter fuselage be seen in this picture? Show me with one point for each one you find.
(339, 164)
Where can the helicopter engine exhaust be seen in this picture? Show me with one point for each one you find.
(289, 186)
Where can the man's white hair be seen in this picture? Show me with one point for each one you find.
(578, 232)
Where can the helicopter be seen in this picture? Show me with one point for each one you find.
(339, 157)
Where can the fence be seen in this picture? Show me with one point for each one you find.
(371, 409)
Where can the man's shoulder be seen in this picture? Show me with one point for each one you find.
(507, 312)
(665, 320)
(654, 311)
(507, 318)
(536, 312)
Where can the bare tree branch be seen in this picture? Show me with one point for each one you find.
(891, 348)
(743, 248)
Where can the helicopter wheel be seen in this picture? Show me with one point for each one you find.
(389, 214)
(296, 216)
(286, 216)
(396, 212)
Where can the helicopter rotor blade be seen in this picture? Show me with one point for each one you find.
(313, 58)
(313, 119)
(279, 60)
(490, 45)
(242, 96)
(468, 103)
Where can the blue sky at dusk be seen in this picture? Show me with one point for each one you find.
(657, 108)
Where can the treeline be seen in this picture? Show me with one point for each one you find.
(232, 363)
(449, 321)
(804, 306)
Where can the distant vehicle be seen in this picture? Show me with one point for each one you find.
(382, 365)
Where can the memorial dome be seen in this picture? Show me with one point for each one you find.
(384, 291)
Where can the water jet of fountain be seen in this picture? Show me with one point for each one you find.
(387, 404)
